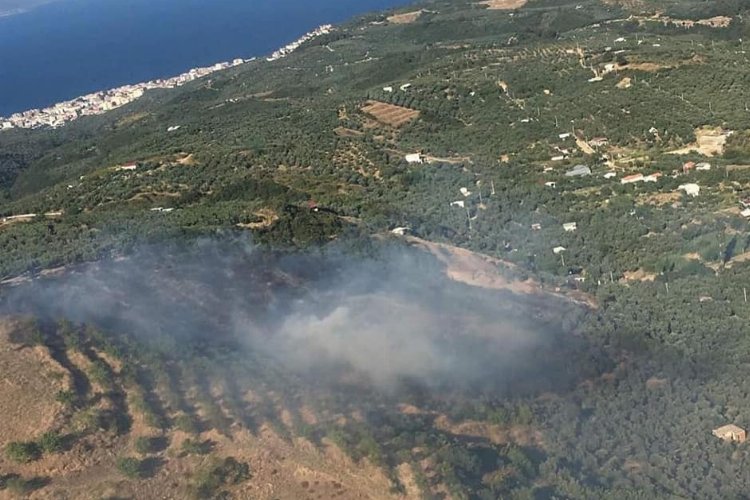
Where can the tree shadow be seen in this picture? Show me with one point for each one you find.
(150, 466)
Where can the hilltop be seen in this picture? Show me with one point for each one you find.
(581, 172)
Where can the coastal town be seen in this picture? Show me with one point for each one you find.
(106, 100)
(288, 49)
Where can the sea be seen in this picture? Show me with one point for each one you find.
(69, 48)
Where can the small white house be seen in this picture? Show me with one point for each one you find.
(703, 166)
(551, 184)
(400, 231)
(414, 158)
(558, 250)
(690, 189)
(405, 86)
(610, 175)
(569, 227)
(388, 89)
(459, 203)
(465, 192)
(565, 135)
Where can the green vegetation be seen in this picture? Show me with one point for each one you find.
(17, 485)
(282, 152)
(209, 482)
(51, 442)
(130, 467)
(23, 452)
(195, 447)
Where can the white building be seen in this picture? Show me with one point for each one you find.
(570, 226)
(690, 189)
(414, 158)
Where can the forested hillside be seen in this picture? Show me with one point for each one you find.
(580, 169)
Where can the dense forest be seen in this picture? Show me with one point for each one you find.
(304, 159)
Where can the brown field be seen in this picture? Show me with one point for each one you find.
(405, 18)
(29, 381)
(638, 275)
(503, 4)
(389, 114)
(281, 468)
(347, 132)
(483, 271)
(658, 199)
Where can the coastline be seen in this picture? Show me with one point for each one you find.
(62, 113)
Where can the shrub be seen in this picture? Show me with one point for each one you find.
(220, 473)
(145, 445)
(195, 447)
(186, 423)
(51, 442)
(67, 398)
(130, 467)
(23, 452)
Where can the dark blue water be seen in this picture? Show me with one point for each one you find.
(73, 47)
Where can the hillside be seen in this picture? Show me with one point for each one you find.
(460, 250)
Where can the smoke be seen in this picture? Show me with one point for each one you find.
(384, 318)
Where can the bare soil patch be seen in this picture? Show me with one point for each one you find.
(503, 4)
(658, 199)
(347, 132)
(267, 218)
(709, 141)
(483, 271)
(187, 160)
(405, 18)
(389, 114)
(638, 275)
(522, 435)
(29, 381)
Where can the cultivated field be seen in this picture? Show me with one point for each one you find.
(389, 114)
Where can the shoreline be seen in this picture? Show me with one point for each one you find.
(97, 103)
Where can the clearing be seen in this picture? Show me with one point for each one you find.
(658, 199)
(709, 141)
(405, 18)
(347, 132)
(503, 4)
(638, 275)
(389, 114)
(266, 218)
(483, 271)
